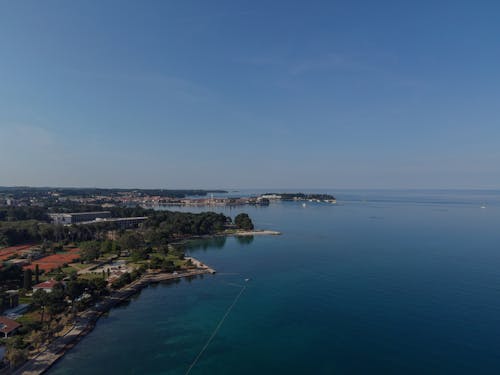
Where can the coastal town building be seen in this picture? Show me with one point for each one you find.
(122, 222)
(47, 286)
(8, 326)
(83, 218)
(271, 196)
(18, 262)
(9, 299)
(78, 217)
(17, 312)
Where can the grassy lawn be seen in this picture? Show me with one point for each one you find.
(24, 299)
(179, 263)
(139, 262)
(79, 266)
(91, 276)
(68, 270)
(45, 276)
(29, 318)
(174, 258)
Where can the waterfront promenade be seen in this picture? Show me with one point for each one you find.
(85, 321)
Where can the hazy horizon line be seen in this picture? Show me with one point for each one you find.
(233, 189)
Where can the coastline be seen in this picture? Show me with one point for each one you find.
(233, 233)
(86, 320)
(256, 233)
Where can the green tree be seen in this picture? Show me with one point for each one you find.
(35, 338)
(107, 246)
(115, 248)
(16, 356)
(90, 251)
(11, 276)
(140, 254)
(243, 221)
(123, 280)
(167, 266)
(27, 279)
(155, 263)
(37, 274)
(163, 249)
(74, 289)
(98, 287)
(131, 240)
(55, 302)
(40, 299)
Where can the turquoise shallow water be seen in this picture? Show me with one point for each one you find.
(384, 282)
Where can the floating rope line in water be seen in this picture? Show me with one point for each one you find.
(216, 330)
(234, 284)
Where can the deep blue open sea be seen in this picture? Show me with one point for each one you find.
(385, 282)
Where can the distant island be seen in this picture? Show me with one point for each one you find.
(260, 200)
(73, 198)
(34, 193)
(327, 198)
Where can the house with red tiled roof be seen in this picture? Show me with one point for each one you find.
(8, 326)
(46, 285)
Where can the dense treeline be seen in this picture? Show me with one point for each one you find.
(115, 211)
(243, 221)
(69, 206)
(166, 225)
(15, 232)
(302, 196)
(27, 192)
(23, 213)
(18, 232)
(131, 211)
(161, 227)
(11, 276)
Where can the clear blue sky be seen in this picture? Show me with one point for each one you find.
(234, 94)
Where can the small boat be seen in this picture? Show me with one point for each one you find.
(247, 280)
(304, 205)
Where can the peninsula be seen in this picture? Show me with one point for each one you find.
(146, 198)
(326, 198)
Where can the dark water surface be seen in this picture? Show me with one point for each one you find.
(383, 282)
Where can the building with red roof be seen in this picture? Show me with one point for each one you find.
(46, 285)
(8, 326)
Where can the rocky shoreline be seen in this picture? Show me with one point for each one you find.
(86, 320)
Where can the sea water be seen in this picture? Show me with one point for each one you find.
(389, 282)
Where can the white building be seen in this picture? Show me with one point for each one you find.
(78, 217)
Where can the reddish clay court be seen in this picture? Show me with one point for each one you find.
(55, 261)
(7, 252)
